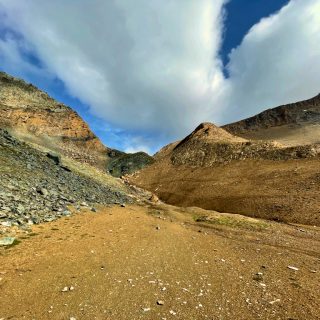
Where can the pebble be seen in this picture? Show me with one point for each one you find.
(293, 268)
(7, 241)
(274, 301)
(258, 276)
(160, 303)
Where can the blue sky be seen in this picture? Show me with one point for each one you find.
(144, 76)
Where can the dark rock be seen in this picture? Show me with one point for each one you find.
(54, 157)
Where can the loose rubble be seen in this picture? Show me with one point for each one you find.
(35, 187)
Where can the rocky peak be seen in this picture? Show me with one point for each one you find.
(209, 132)
(33, 114)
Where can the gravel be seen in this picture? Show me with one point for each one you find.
(35, 187)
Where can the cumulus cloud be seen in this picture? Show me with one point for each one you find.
(149, 65)
(152, 68)
(278, 62)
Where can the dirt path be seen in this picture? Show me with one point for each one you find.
(121, 261)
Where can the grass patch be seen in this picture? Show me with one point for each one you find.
(233, 222)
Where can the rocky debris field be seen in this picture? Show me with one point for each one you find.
(37, 187)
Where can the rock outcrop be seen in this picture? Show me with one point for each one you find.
(33, 115)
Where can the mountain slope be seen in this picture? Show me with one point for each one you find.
(214, 169)
(292, 124)
(32, 115)
(39, 187)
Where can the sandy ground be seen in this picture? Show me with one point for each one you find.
(120, 262)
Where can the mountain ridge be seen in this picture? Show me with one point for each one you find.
(34, 116)
(214, 169)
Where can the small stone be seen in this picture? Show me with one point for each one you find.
(154, 198)
(44, 192)
(6, 223)
(66, 213)
(274, 301)
(172, 312)
(93, 209)
(7, 241)
(146, 309)
(160, 303)
(258, 276)
(293, 268)
(122, 205)
(65, 289)
(157, 227)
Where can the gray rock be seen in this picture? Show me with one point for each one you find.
(6, 223)
(7, 241)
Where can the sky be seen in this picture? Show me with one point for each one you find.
(145, 73)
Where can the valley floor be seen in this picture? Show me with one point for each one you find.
(158, 262)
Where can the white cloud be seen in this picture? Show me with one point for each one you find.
(153, 67)
(148, 65)
(278, 61)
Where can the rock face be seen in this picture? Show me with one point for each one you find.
(291, 124)
(34, 115)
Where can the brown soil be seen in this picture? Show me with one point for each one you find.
(278, 190)
(119, 261)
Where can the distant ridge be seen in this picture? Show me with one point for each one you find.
(293, 124)
(242, 168)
